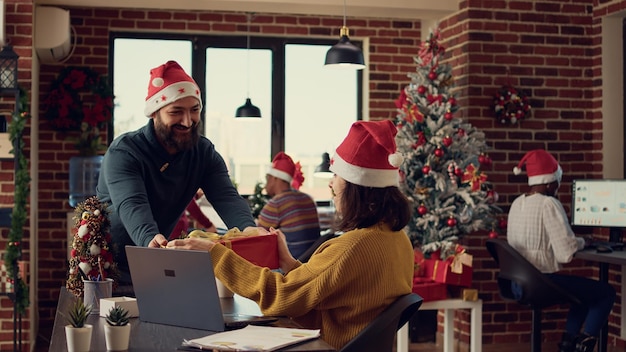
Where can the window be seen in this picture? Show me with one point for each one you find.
(306, 108)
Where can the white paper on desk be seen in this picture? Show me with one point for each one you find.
(253, 338)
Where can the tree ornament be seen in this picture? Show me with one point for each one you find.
(493, 234)
(432, 75)
(422, 209)
(426, 169)
(503, 223)
(481, 159)
(451, 221)
(448, 116)
(421, 90)
(452, 101)
(460, 132)
(447, 141)
(439, 152)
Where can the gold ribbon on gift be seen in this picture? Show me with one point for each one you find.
(459, 259)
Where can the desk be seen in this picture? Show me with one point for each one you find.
(157, 337)
(618, 258)
(449, 306)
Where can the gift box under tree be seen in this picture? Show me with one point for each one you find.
(455, 270)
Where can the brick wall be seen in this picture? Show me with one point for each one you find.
(548, 48)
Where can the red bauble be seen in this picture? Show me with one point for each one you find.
(458, 172)
(447, 141)
(503, 223)
(461, 132)
(448, 116)
(481, 158)
(426, 169)
(422, 209)
(432, 75)
(421, 90)
(451, 222)
(452, 101)
(439, 152)
(493, 234)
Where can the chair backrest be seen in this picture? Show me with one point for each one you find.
(304, 257)
(380, 334)
(537, 290)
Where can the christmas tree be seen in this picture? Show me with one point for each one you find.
(442, 174)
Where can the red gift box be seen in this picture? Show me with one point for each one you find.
(441, 271)
(429, 290)
(260, 250)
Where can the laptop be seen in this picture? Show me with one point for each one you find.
(177, 287)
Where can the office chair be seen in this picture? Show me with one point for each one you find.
(538, 291)
(380, 334)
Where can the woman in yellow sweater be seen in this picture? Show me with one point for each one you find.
(349, 280)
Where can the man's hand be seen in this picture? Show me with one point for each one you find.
(192, 243)
(159, 241)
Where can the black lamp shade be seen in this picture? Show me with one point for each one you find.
(248, 110)
(8, 68)
(323, 169)
(345, 54)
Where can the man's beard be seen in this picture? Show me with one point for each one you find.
(170, 140)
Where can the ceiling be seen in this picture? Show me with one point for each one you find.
(401, 9)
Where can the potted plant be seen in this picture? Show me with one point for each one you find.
(117, 329)
(77, 333)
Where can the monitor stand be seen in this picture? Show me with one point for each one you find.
(615, 234)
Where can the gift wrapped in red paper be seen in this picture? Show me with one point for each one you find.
(261, 250)
(455, 270)
(429, 290)
(418, 263)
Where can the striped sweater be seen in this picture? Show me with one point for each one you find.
(295, 214)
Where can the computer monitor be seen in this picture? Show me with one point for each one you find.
(599, 203)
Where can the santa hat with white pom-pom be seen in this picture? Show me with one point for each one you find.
(367, 156)
(541, 167)
(169, 83)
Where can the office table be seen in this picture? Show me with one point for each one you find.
(604, 259)
(157, 337)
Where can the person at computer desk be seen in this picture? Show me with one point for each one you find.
(290, 210)
(352, 278)
(538, 228)
(149, 176)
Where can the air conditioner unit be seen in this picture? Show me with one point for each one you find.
(52, 33)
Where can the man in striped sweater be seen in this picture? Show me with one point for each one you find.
(290, 210)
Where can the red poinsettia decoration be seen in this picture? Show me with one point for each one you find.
(474, 177)
(80, 100)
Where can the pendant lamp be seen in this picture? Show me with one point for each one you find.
(248, 109)
(345, 54)
(323, 170)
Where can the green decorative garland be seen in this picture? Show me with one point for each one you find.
(18, 217)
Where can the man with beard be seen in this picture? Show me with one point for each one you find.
(149, 176)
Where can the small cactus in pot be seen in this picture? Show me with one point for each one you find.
(78, 313)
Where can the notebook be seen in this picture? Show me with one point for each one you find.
(177, 287)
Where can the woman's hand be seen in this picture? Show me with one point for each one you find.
(158, 241)
(285, 260)
(200, 244)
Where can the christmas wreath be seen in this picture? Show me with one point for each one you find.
(510, 105)
(91, 256)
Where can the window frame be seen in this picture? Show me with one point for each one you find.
(198, 62)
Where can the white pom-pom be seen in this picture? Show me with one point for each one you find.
(82, 231)
(85, 267)
(96, 212)
(94, 249)
(395, 159)
(158, 82)
(517, 170)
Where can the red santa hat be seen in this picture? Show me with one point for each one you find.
(169, 83)
(285, 169)
(367, 156)
(541, 167)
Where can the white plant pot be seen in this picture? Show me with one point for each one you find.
(117, 337)
(78, 339)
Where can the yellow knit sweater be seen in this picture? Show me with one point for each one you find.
(344, 286)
